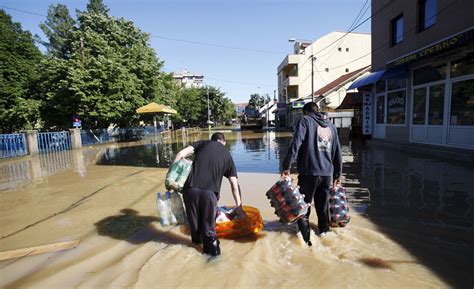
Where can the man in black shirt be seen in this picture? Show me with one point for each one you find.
(201, 190)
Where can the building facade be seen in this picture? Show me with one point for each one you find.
(315, 64)
(187, 79)
(422, 82)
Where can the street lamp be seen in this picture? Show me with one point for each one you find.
(312, 63)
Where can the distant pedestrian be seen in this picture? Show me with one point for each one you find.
(317, 150)
(212, 161)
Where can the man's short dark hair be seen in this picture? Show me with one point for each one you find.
(218, 136)
(310, 107)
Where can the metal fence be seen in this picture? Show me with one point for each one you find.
(12, 145)
(54, 141)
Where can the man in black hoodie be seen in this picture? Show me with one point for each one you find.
(317, 150)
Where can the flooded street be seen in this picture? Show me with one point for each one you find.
(412, 222)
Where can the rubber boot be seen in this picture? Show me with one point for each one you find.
(211, 247)
(303, 225)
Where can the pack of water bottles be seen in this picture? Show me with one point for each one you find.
(338, 207)
(287, 200)
(177, 174)
(170, 209)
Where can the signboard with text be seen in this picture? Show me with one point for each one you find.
(297, 104)
(367, 104)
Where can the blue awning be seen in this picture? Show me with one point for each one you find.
(397, 72)
(367, 79)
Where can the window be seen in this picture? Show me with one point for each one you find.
(396, 83)
(429, 74)
(462, 103)
(397, 30)
(347, 69)
(419, 105)
(427, 14)
(436, 105)
(380, 86)
(396, 107)
(347, 49)
(380, 113)
(340, 49)
(463, 66)
(327, 69)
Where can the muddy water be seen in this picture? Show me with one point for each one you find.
(411, 227)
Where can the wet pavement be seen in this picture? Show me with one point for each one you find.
(424, 204)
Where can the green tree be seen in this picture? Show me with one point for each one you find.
(112, 70)
(256, 101)
(97, 6)
(19, 59)
(59, 27)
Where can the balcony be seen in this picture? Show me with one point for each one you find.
(290, 59)
(290, 81)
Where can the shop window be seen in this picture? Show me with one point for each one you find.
(463, 66)
(436, 105)
(380, 113)
(462, 103)
(396, 107)
(396, 30)
(396, 83)
(426, 14)
(429, 73)
(419, 105)
(380, 86)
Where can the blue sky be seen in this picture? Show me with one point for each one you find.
(259, 29)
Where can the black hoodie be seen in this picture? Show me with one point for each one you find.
(316, 147)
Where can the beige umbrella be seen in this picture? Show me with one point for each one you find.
(155, 108)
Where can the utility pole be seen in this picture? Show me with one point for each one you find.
(208, 111)
(312, 78)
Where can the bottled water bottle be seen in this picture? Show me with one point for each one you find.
(163, 210)
(177, 208)
(169, 207)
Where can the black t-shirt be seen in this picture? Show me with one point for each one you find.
(212, 161)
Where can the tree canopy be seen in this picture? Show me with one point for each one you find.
(19, 70)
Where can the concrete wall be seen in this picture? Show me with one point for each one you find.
(453, 16)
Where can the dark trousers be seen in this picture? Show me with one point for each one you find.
(317, 188)
(201, 208)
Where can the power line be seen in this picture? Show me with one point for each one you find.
(177, 39)
(405, 33)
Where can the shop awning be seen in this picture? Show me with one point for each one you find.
(397, 72)
(367, 79)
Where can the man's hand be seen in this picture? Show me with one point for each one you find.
(285, 174)
(239, 213)
(336, 183)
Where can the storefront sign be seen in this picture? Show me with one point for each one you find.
(367, 113)
(435, 49)
(297, 104)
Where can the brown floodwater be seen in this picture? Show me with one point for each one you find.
(411, 227)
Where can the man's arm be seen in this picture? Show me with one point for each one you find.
(184, 153)
(234, 185)
(298, 138)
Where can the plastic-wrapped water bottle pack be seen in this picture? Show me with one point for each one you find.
(338, 207)
(287, 200)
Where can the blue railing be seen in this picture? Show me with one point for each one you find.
(12, 145)
(54, 141)
(94, 136)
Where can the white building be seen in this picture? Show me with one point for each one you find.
(347, 53)
(188, 79)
